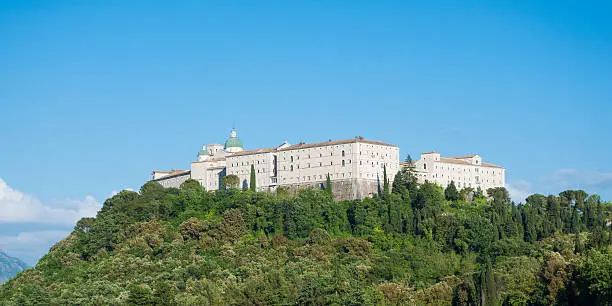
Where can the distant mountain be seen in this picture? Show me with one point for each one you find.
(10, 266)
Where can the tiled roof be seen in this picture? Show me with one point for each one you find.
(430, 152)
(492, 165)
(454, 161)
(464, 156)
(334, 142)
(462, 162)
(214, 159)
(172, 173)
(250, 152)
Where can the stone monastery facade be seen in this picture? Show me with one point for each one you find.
(355, 167)
(465, 171)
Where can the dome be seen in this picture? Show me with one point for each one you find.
(233, 144)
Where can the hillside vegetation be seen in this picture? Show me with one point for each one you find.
(413, 244)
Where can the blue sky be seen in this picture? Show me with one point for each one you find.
(94, 95)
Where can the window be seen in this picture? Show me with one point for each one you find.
(308, 165)
(425, 166)
(291, 167)
(342, 153)
(331, 163)
(320, 164)
(292, 158)
(343, 163)
(320, 154)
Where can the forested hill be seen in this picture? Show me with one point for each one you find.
(413, 244)
(10, 266)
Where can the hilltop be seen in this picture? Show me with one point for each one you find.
(412, 244)
(10, 266)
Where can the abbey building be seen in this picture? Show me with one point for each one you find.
(465, 171)
(355, 167)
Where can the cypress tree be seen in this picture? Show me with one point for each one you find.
(385, 181)
(379, 186)
(328, 185)
(252, 185)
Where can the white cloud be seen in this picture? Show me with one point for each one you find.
(519, 190)
(32, 238)
(581, 179)
(18, 207)
(29, 246)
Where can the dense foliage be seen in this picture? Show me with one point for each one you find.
(412, 244)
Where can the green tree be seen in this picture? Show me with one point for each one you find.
(140, 295)
(451, 193)
(595, 273)
(488, 288)
(230, 181)
(386, 190)
(252, 185)
(328, 185)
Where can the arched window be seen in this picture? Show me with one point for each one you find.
(343, 163)
(291, 158)
(291, 167)
(342, 153)
(425, 166)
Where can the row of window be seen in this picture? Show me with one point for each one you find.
(331, 176)
(460, 169)
(262, 170)
(331, 163)
(247, 163)
(320, 155)
(297, 157)
(307, 178)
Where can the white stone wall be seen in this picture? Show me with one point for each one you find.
(240, 165)
(465, 172)
(373, 158)
(174, 181)
(209, 173)
(160, 174)
(357, 160)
